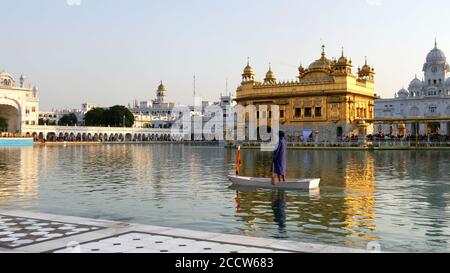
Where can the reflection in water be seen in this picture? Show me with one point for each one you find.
(279, 210)
(399, 199)
(18, 182)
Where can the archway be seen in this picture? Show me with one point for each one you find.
(11, 115)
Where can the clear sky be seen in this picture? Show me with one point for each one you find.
(112, 52)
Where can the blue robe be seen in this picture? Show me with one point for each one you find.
(279, 158)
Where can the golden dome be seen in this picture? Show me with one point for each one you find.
(321, 64)
(248, 70)
(366, 68)
(343, 61)
(248, 75)
(161, 87)
(270, 76)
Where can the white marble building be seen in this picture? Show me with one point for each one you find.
(19, 105)
(154, 113)
(423, 108)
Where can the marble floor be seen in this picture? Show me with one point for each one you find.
(32, 232)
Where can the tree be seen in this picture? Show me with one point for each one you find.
(95, 117)
(68, 120)
(119, 116)
(42, 121)
(3, 124)
(115, 116)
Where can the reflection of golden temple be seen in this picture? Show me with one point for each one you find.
(360, 200)
(317, 214)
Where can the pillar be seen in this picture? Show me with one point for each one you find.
(444, 128)
(422, 129)
(410, 129)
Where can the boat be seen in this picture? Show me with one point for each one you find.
(266, 183)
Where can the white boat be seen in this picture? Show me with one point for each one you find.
(266, 183)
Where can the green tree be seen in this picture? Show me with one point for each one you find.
(42, 121)
(3, 124)
(95, 117)
(115, 116)
(68, 120)
(119, 116)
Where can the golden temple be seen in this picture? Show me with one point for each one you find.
(326, 100)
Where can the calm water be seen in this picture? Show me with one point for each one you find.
(400, 199)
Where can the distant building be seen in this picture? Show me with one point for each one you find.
(423, 108)
(19, 105)
(154, 113)
(48, 118)
(52, 117)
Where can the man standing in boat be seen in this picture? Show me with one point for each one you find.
(279, 160)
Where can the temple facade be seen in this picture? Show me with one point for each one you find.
(327, 101)
(19, 105)
(423, 108)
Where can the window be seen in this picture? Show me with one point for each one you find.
(33, 109)
(318, 112)
(33, 122)
(281, 113)
(433, 109)
(298, 112)
(308, 112)
(27, 122)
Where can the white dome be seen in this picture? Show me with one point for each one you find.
(5, 75)
(403, 93)
(436, 56)
(415, 84)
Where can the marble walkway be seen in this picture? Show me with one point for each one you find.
(31, 232)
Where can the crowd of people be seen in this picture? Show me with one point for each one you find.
(12, 135)
(422, 138)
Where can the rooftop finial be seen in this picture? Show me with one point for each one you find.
(342, 51)
(270, 66)
(248, 60)
(366, 61)
(435, 42)
(323, 50)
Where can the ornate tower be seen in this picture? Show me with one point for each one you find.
(366, 72)
(343, 66)
(161, 94)
(249, 74)
(436, 68)
(270, 76)
(22, 81)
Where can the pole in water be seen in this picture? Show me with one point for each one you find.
(238, 161)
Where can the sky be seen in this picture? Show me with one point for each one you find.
(112, 52)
